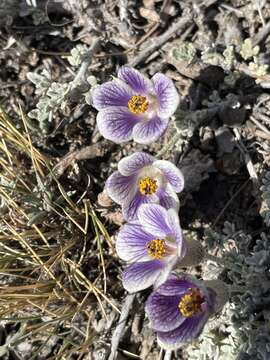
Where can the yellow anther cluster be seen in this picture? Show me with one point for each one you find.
(156, 248)
(148, 186)
(138, 104)
(191, 302)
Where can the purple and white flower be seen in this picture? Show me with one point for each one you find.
(153, 244)
(179, 309)
(135, 107)
(143, 179)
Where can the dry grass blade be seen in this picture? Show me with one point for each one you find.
(44, 247)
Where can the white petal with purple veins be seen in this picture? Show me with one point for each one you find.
(154, 219)
(163, 312)
(137, 81)
(169, 261)
(175, 286)
(112, 93)
(121, 188)
(131, 243)
(133, 163)
(173, 175)
(130, 208)
(174, 224)
(147, 131)
(140, 276)
(188, 331)
(168, 198)
(167, 95)
(116, 123)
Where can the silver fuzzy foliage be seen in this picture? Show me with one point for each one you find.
(184, 51)
(247, 49)
(226, 60)
(54, 96)
(41, 81)
(219, 340)
(241, 331)
(77, 55)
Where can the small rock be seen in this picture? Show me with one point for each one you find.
(232, 116)
(224, 139)
(230, 163)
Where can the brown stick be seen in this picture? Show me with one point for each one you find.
(86, 153)
(182, 23)
(261, 35)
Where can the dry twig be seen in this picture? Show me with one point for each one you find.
(249, 164)
(181, 24)
(86, 153)
(119, 330)
(262, 34)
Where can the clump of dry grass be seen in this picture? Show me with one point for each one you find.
(46, 240)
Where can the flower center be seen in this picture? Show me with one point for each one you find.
(138, 104)
(148, 186)
(156, 248)
(191, 302)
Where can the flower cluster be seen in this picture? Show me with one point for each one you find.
(151, 242)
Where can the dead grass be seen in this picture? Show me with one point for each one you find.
(44, 242)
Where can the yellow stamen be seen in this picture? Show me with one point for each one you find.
(138, 104)
(148, 186)
(156, 248)
(191, 302)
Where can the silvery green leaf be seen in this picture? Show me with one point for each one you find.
(92, 80)
(44, 105)
(45, 73)
(34, 77)
(42, 81)
(186, 51)
(229, 57)
(57, 93)
(245, 317)
(33, 114)
(212, 57)
(88, 97)
(247, 50)
(258, 69)
(77, 55)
